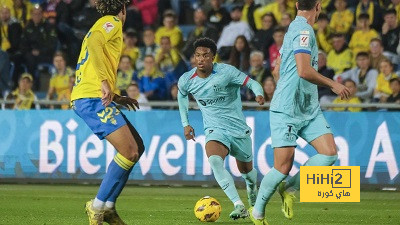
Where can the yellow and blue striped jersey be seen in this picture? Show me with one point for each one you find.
(99, 57)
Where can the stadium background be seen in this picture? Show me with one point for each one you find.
(54, 146)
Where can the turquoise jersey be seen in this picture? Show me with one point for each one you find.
(218, 97)
(294, 95)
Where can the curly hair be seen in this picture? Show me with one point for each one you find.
(110, 7)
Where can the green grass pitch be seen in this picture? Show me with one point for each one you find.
(56, 204)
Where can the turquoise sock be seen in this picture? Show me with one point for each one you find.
(223, 178)
(316, 160)
(251, 179)
(118, 167)
(268, 186)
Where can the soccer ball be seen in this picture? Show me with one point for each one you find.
(207, 209)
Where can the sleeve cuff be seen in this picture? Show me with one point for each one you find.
(302, 51)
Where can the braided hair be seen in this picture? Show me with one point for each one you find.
(110, 7)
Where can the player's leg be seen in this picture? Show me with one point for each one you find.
(319, 135)
(241, 149)
(284, 134)
(110, 214)
(217, 149)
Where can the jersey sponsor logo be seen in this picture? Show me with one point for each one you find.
(304, 40)
(108, 26)
(212, 101)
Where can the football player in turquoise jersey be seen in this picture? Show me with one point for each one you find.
(216, 88)
(94, 100)
(295, 111)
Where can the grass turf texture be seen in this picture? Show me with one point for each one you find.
(55, 204)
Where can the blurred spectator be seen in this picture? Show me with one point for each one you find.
(263, 38)
(240, 54)
(362, 37)
(4, 72)
(376, 49)
(278, 8)
(340, 57)
(323, 33)
(390, 31)
(363, 75)
(66, 96)
(124, 75)
(21, 11)
(351, 85)
(374, 12)
(174, 92)
(382, 89)
(342, 19)
(11, 30)
(56, 11)
(269, 87)
(231, 32)
(10, 40)
(257, 70)
(130, 46)
(167, 57)
(149, 47)
(325, 92)
(248, 11)
(170, 29)
(395, 4)
(23, 95)
(218, 16)
(202, 29)
(39, 40)
(148, 9)
(60, 80)
(133, 92)
(151, 80)
(273, 50)
(83, 20)
(395, 96)
(286, 20)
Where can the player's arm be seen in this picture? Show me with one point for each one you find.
(95, 45)
(307, 72)
(257, 90)
(183, 102)
(275, 72)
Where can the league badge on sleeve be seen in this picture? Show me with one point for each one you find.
(304, 40)
(108, 26)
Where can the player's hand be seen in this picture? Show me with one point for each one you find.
(260, 99)
(107, 95)
(126, 102)
(188, 131)
(341, 90)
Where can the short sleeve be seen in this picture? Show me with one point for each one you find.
(53, 82)
(182, 86)
(303, 41)
(237, 76)
(110, 28)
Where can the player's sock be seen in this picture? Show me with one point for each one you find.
(251, 179)
(98, 204)
(293, 184)
(113, 198)
(223, 178)
(114, 176)
(268, 186)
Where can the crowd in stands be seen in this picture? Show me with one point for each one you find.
(40, 42)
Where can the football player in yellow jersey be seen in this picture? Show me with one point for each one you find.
(93, 99)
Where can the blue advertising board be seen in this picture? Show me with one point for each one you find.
(51, 144)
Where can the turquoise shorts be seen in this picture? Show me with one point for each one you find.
(240, 148)
(285, 129)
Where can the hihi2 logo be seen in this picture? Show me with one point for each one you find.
(330, 184)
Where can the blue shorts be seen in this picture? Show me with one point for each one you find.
(240, 148)
(285, 129)
(101, 120)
